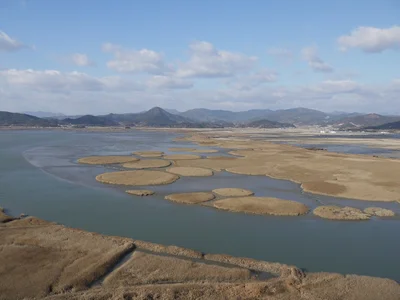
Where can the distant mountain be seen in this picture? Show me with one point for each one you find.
(368, 120)
(89, 120)
(268, 124)
(387, 126)
(17, 119)
(172, 111)
(44, 114)
(300, 116)
(155, 117)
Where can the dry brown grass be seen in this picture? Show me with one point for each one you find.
(320, 172)
(340, 213)
(379, 212)
(144, 268)
(190, 171)
(105, 160)
(140, 192)
(181, 156)
(191, 198)
(149, 153)
(262, 206)
(232, 192)
(43, 260)
(136, 178)
(147, 164)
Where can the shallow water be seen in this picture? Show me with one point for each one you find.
(39, 176)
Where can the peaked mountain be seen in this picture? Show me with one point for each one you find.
(155, 117)
(17, 119)
(368, 120)
(89, 120)
(268, 124)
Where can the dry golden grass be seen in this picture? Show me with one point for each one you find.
(138, 177)
(147, 164)
(105, 160)
(149, 153)
(379, 212)
(182, 156)
(43, 260)
(140, 192)
(189, 171)
(144, 268)
(3, 217)
(262, 206)
(232, 192)
(191, 198)
(321, 172)
(340, 213)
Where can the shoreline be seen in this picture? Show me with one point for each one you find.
(118, 262)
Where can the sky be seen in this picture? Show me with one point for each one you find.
(100, 56)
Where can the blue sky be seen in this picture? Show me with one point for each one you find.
(125, 56)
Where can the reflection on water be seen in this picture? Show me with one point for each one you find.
(39, 176)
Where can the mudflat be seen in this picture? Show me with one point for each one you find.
(149, 153)
(138, 177)
(262, 206)
(105, 160)
(351, 176)
(191, 198)
(232, 192)
(333, 212)
(147, 164)
(43, 260)
(190, 171)
(140, 192)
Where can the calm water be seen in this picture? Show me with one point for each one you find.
(39, 176)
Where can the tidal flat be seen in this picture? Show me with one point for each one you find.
(57, 188)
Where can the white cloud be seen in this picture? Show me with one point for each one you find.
(58, 82)
(281, 53)
(166, 82)
(8, 44)
(135, 61)
(253, 80)
(81, 60)
(371, 39)
(208, 62)
(310, 54)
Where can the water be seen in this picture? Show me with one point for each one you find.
(39, 176)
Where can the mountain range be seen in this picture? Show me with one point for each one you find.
(207, 118)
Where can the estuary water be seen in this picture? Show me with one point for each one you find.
(39, 176)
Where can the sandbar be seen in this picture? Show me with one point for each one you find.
(193, 150)
(350, 176)
(232, 192)
(182, 156)
(105, 160)
(138, 177)
(333, 212)
(149, 153)
(379, 212)
(262, 206)
(190, 171)
(147, 164)
(140, 192)
(43, 260)
(191, 198)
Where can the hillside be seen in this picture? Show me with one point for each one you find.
(368, 120)
(17, 119)
(89, 120)
(300, 116)
(268, 124)
(387, 126)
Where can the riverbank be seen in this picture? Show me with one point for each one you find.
(45, 260)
